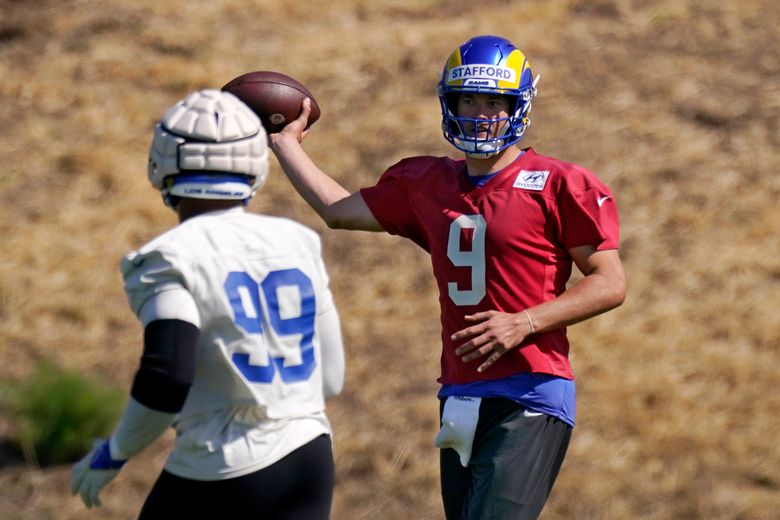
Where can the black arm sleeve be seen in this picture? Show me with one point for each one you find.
(167, 365)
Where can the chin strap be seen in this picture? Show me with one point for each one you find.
(480, 155)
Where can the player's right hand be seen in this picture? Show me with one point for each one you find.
(297, 127)
(92, 473)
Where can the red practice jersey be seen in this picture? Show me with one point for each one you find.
(503, 246)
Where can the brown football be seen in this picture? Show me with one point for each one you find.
(275, 97)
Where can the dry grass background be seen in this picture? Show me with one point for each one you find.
(674, 103)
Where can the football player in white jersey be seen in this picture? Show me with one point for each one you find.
(242, 342)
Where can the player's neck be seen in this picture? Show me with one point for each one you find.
(498, 162)
(188, 208)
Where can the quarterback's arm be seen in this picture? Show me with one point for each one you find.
(334, 204)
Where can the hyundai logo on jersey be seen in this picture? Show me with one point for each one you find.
(531, 180)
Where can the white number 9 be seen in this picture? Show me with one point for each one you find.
(474, 258)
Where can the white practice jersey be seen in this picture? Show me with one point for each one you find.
(259, 285)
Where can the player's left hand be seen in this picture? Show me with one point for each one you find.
(92, 473)
(494, 334)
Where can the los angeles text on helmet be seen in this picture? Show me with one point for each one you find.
(482, 72)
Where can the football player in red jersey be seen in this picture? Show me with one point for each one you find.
(503, 226)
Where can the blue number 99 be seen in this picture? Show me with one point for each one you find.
(243, 292)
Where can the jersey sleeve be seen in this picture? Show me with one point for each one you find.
(329, 332)
(147, 274)
(174, 304)
(312, 244)
(587, 213)
(325, 296)
(391, 203)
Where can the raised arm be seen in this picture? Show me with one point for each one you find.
(334, 204)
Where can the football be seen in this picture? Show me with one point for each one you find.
(275, 97)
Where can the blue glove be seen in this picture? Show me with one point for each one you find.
(92, 473)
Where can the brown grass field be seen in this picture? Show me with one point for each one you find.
(674, 103)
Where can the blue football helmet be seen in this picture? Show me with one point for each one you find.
(486, 65)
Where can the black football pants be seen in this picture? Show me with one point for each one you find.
(298, 487)
(515, 460)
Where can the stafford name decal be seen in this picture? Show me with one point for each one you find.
(482, 72)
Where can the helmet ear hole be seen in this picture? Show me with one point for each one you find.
(454, 127)
(451, 99)
(170, 200)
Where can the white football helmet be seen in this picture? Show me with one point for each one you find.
(210, 145)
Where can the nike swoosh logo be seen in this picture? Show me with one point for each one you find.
(531, 413)
(601, 200)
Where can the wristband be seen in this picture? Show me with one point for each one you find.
(103, 460)
(530, 323)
